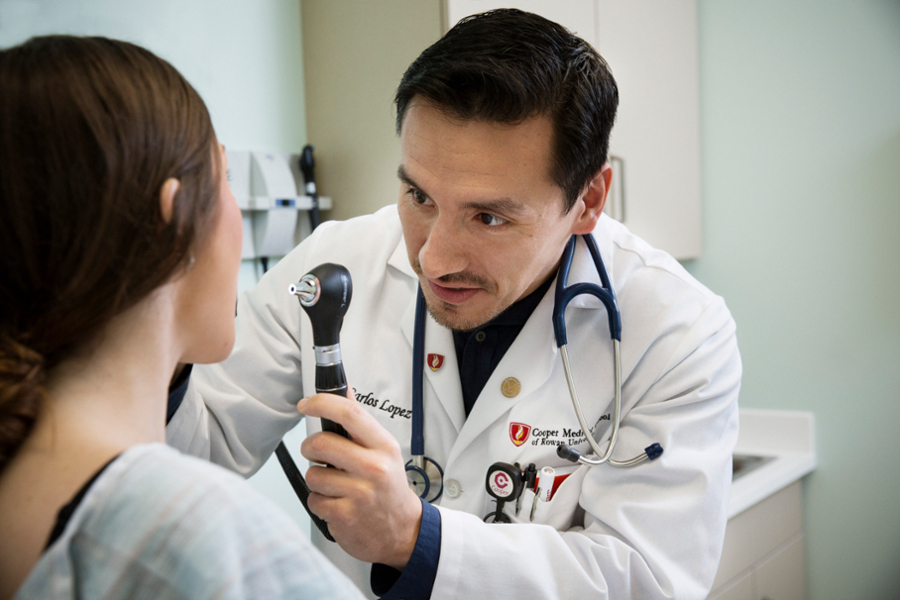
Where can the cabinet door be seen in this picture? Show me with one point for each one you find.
(783, 576)
(651, 47)
(742, 589)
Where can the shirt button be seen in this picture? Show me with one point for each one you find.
(453, 488)
(479, 337)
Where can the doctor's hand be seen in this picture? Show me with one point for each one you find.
(366, 500)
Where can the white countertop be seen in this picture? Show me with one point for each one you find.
(788, 437)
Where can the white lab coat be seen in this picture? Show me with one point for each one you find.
(652, 531)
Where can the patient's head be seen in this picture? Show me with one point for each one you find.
(94, 134)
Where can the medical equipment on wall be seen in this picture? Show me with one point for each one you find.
(307, 165)
(324, 294)
(273, 189)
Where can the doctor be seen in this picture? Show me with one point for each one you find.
(504, 126)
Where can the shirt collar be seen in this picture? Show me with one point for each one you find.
(518, 313)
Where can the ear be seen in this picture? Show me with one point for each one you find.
(167, 198)
(593, 199)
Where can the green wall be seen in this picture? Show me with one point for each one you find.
(244, 58)
(800, 132)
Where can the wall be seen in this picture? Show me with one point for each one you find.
(350, 92)
(245, 62)
(800, 137)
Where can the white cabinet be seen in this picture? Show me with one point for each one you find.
(651, 47)
(763, 556)
(781, 577)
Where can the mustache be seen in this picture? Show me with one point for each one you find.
(461, 278)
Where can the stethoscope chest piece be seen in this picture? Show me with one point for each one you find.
(425, 478)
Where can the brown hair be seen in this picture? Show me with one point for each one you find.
(90, 129)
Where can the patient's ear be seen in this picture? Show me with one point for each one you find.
(167, 198)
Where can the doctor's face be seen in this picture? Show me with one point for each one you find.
(483, 223)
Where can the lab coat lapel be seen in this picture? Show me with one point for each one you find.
(442, 375)
(533, 356)
(529, 361)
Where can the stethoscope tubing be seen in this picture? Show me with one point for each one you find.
(421, 471)
(603, 457)
(617, 407)
(606, 294)
(417, 441)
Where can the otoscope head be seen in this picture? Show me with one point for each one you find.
(306, 290)
(324, 294)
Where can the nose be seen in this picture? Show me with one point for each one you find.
(443, 252)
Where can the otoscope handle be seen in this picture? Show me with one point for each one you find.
(331, 379)
(325, 294)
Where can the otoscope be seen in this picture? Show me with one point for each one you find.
(308, 166)
(324, 294)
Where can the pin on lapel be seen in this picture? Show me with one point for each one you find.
(435, 361)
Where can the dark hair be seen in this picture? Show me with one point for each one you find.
(90, 129)
(507, 65)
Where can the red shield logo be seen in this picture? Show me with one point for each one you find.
(518, 433)
(435, 361)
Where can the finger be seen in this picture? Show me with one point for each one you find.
(337, 512)
(336, 483)
(362, 426)
(328, 448)
(375, 466)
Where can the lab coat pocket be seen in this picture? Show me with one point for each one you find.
(561, 509)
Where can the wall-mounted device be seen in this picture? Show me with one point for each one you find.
(269, 188)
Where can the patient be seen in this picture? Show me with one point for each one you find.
(120, 244)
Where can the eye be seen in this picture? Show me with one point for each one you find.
(418, 196)
(491, 220)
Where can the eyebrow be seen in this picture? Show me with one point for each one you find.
(507, 205)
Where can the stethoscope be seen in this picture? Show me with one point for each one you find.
(426, 477)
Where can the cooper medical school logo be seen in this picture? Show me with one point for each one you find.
(435, 361)
(518, 433)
